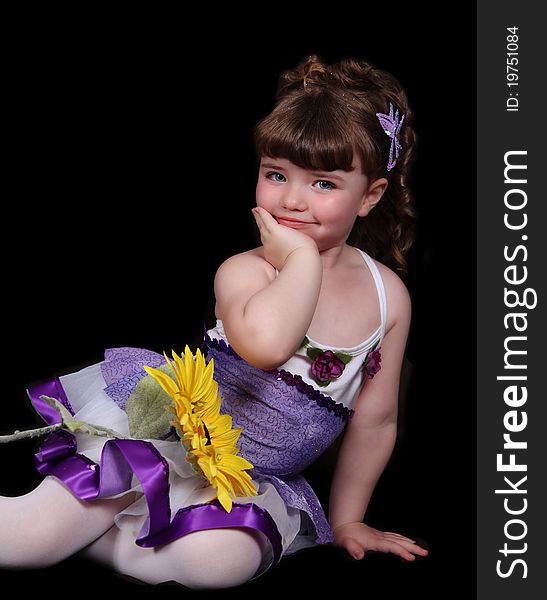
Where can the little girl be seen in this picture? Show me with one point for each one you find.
(308, 343)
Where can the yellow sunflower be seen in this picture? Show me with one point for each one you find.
(208, 436)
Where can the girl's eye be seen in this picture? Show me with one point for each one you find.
(275, 176)
(322, 184)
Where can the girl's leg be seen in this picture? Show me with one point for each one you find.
(211, 559)
(49, 524)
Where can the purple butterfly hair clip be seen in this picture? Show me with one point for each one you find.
(391, 124)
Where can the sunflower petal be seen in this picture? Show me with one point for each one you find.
(189, 365)
(178, 368)
(224, 481)
(224, 499)
(167, 384)
(230, 461)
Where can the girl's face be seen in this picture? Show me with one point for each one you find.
(321, 204)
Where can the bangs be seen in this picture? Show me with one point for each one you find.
(312, 137)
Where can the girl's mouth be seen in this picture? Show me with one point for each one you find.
(288, 222)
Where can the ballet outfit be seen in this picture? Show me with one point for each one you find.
(289, 416)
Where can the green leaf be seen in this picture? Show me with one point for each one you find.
(323, 383)
(83, 427)
(305, 343)
(146, 408)
(313, 353)
(65, 415)
(70, 423)
(345, 358)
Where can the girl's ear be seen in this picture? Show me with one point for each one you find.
(372, 196)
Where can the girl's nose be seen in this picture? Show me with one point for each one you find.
(293, 200)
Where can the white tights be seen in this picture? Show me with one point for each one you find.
(50, 524)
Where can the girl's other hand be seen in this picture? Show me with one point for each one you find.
(279, 241)
(358, 539)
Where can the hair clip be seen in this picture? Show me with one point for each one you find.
(392, 126)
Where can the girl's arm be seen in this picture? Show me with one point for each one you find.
(265, 316)
(369, 442)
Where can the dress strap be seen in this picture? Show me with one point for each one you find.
(380, 290)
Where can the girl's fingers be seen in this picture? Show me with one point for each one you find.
(259, 221)
(407, 543)
(354, 549)
(409, 547)
(263, 218)
(389, 546)
(399, 536)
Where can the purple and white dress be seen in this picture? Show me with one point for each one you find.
(289, 417)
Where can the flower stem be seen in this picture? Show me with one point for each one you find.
(29, 433)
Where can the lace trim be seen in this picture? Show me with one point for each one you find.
(290, 379)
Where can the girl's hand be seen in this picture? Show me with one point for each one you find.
(358, 539)
(279, 241)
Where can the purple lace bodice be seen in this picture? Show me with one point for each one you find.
(286, 423)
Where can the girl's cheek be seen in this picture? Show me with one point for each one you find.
(263, 199)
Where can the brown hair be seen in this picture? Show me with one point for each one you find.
(326, 113)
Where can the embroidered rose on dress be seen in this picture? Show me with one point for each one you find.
(327, 365)
(372, 362)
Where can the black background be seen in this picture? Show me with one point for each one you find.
(131, 175)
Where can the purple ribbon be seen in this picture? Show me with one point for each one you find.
(120, 460)
(54, 389)
(212, 516)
